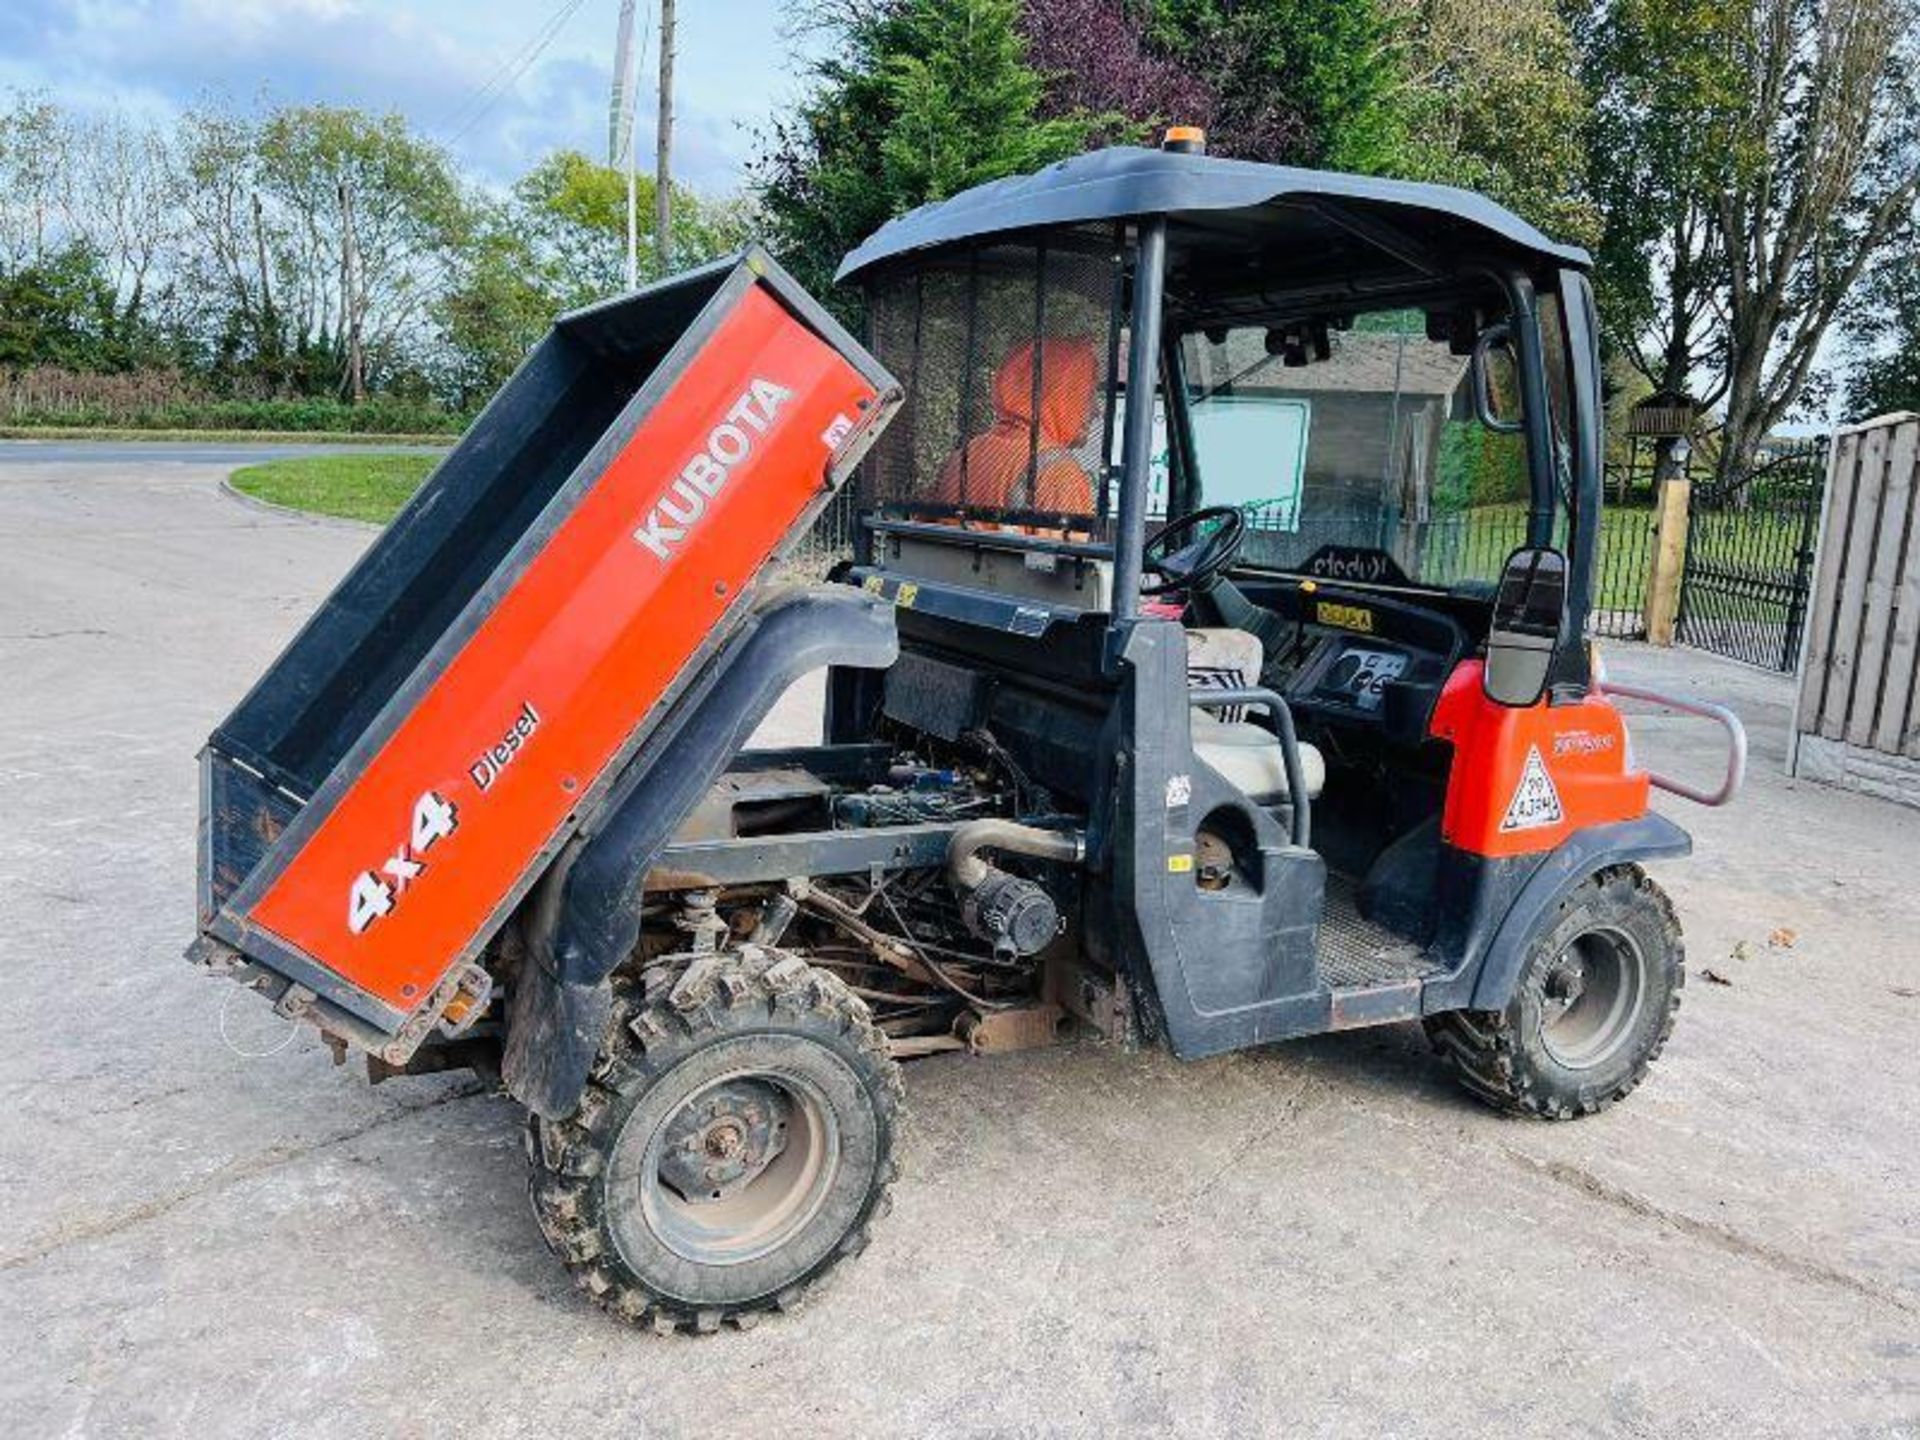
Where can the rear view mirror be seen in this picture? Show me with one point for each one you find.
(1301, 343)
(1529, 622)
(1496, 375)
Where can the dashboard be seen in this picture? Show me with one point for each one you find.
(1373, 683)
(1357, 676)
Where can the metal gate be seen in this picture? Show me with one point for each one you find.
(1748, 574)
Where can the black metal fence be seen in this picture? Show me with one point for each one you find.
(1474, 544)
(1745, 586)
(1749, 563)
(1447, 549)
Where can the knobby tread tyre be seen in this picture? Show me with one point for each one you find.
(1497, 1055)
(661, 1019)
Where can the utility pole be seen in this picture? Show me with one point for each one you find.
(620, 111)
(663, 166)
(620, 134)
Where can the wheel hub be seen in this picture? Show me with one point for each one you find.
(720, 1142)
(1566, 981)
(1592, 996)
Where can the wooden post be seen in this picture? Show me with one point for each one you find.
(350, 284)
(1669, 557)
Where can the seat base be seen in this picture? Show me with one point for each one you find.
(1251, 760)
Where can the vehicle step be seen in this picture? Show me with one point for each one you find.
(1356, 953)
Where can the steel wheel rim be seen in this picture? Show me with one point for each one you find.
(1591, 998)
(757, 1215)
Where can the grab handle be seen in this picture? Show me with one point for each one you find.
(1706, 710)
(1270, 701)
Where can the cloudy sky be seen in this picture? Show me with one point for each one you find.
(500, 83)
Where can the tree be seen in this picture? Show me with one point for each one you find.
(32, 155)
(573, 214)
(1458, 91)
(1883, 324)
(965, 102)
(495, 310)
(1752, 158)
(1095, 58)
(558, 242)
(1823, 167)
(119, 194)
(1297, 82)
(1490, 98)
(56, 310)
(1659, 78)
(315, 237)
(919, 99)
(362, 220)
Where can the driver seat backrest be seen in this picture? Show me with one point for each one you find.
(1245, 755)
(1223, 658)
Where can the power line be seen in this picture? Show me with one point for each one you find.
(507, 70)
(488, 95)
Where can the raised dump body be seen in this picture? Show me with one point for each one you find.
(390, 789)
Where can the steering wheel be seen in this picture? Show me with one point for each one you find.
(1196, 564)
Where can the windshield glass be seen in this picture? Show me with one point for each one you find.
(1347, 445)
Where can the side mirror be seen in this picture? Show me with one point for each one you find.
(1496, 372)
(1529, 622)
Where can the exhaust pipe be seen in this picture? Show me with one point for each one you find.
(967, 870)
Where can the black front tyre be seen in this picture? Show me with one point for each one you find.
(1591, 1011)
(735, 1141)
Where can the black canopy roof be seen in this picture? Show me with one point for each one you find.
(1225, 212)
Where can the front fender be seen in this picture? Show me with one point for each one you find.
(585, 917)
(1650, 837)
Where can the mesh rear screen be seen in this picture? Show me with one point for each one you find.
(1006, 352)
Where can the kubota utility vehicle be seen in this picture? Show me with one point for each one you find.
(1162, 703)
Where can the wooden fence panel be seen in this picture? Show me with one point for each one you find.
(1881, 563)
(1857, 722)
(1853, 584)
(1843, 480)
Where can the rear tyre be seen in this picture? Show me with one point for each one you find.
(734, 1142)
(1591, 1011)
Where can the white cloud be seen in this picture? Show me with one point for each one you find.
(427, 59)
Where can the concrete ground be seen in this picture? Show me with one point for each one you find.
(1321, 1237)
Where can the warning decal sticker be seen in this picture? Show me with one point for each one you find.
(1535, 804)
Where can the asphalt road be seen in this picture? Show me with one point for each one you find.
(134, 455)
(1318, 1238)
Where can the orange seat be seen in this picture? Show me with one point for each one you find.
(991, 470)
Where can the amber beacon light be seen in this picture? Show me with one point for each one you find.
(1185, 140)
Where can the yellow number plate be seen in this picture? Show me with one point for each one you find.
(1346, 617)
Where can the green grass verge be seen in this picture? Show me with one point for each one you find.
(353, 487)
(221, 437)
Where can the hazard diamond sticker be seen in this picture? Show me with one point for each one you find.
(1535, 804)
